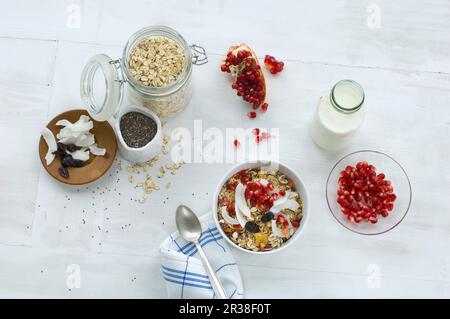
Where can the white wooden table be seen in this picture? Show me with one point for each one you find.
(398, 50)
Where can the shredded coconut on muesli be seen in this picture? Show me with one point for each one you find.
(259, 209)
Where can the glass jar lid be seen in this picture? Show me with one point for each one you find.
(101, 87)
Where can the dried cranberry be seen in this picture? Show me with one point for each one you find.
(63, 172)
(252, 227)
(267, 217)
(72, 148)
(67, 161)
(77, 163)
(61, 150)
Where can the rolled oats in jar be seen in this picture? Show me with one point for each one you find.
(157, 64)
(155, 67)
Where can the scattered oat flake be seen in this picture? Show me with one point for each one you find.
(143, 198)
(166, 139)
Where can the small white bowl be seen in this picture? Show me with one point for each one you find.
(299, 187)
(148, 151)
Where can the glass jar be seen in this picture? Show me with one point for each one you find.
(338, 115)
(103, 79)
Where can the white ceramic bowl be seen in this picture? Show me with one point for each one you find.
(148, 151)
(299, 187)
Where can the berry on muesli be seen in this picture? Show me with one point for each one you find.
(259, 209)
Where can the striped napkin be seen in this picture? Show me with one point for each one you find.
(183, 271)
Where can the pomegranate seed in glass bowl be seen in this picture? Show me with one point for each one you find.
(368, 192)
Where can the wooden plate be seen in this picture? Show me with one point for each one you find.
(96, 166)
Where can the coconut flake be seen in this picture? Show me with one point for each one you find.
(291, 204)
(240, 200)
(82, 126)
(97, 150)
(51, 143)
(230, 220)
(64, 123)
(79, 134)
(85, 140)
(239, 216)
(82, 155)
(281, 200)
(276, 230)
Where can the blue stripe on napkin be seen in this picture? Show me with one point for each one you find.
(187, 284)
(186, 249)
(183, 272)
(186, 278)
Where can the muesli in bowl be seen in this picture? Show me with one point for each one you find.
(259, 209)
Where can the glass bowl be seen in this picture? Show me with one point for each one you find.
(393, 171)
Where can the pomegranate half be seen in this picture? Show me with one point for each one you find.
(242, 63)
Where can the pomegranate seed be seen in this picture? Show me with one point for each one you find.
(282, 192)
(373, 220)
(264, 107)
(364, 194)
(273, 65)
(236, 143)
(256, 131)
(281, 219)
(251, 115)
(295, 223)
(231, 186)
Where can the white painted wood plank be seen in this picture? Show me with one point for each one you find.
(412, 35)
(24, 99)
(50, 20)
(44, 273)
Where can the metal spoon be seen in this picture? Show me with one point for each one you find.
(190, 229)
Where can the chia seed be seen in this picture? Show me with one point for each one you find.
(137, 129)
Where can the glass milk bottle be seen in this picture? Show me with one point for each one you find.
(338, 115)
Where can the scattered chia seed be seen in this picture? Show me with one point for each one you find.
(137, 129)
